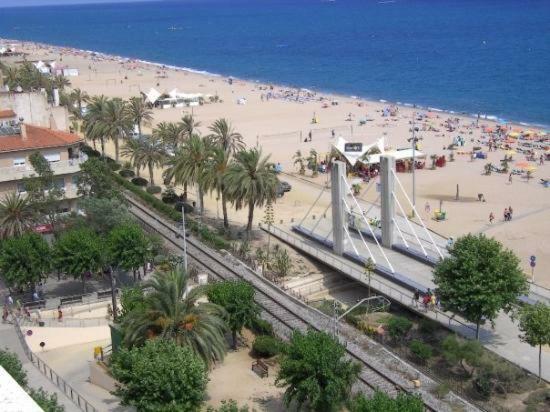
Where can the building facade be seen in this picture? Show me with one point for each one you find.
(61, 149)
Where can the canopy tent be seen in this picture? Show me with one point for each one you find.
(398, 154)
(356, 151)
(176, 94)
(152, 96)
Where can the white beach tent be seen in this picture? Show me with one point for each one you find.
(399, 154)
(353, 156)
(152, 96)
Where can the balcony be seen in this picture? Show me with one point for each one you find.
(63, 167)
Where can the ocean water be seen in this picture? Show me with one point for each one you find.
(488, 56)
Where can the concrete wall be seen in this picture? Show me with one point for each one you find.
(6, 158)
(34, 109)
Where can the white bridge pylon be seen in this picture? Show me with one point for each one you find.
(348, 213)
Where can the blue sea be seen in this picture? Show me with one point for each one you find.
(488, 56)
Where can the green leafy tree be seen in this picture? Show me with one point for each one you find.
(479, 279)
(17, 215)
(250, 181)
(381, 402)
(11, 363)
(78, 252)
(132, 299)
(43, 189)
(95, 180)
(128, 247)
(315, 372)
(160, 376)
(48, 402)
(170, 134)
(173, 313)
(534, 323)
(237, 298)
(104, 214)
(269, 219)
(92, 124)
(228, 406)
(398, 327)
(25, 260)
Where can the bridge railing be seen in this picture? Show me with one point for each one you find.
(386, 289)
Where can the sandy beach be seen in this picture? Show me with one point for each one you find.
(279, 125)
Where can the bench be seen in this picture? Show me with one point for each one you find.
(71, 299)
(260, 368)
(37, 304)
(102, 294)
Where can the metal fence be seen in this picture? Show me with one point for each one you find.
(67, 389)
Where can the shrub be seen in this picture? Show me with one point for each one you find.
(48, 402)
(186, 206)
(160, 375)
(90, 151)
(540, 397)
(420, 350)
(261, 327)
(127, 173)
(169, 195)
(398, 327)
(427, 326)
(11, 363)
(382, 402)
(483, 385)
(228, 406)
(139, 181)
(266, 346)
(114, 166)
(282, 263)
(441, 390)
(153, 189)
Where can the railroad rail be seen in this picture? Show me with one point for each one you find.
(382, 370)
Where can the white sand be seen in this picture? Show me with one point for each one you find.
(257, 120)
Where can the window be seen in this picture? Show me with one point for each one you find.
(52, 157)
(21, 188)
(60, 183)
(74, 180)
(19, 161)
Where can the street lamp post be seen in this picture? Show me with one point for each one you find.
(184, 237)
(413, 141)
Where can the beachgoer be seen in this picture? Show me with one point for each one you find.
(432, 302)
(510, 178)
(541, 161)
(309, 135)
(333, 133)
(5, 314)
(427, 208)
(510, 212)
(35, 296)
(59, 314)
(416, 298)
(450, 243)
(426, 299)
(27, 313)
(491, 217)
(9, 300)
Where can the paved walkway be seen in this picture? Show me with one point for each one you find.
(503, 339)
(10, 341)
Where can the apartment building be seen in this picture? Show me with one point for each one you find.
(18, 141)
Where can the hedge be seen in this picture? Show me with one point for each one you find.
(261, 327)
(154, 189)
(127, 173)
(266, 346)
(139, 181)
(205, 234)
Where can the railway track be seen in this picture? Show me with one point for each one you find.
(381, 369)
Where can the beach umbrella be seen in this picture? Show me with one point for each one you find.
(522, 165)
(513, 135)
(528, 132)
(510, 152)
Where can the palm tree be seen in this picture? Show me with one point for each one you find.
(116, 121)
(170, 134)
(299, 159)
(250, 180)
(173, 313)
(226, 137)
(313, 162)
(78, 97)
(92, 124)
(145, 152)
(213, 177)
(139, 112)
(189, 126)
(60, 82)
(189, 163)
(16, 215)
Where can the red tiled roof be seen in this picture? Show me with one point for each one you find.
(7, 113)
(37, 138)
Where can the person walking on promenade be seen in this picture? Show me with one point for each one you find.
(510, 212)
(416, 298)
(59, 314)
(510, 178)
(491, 217)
